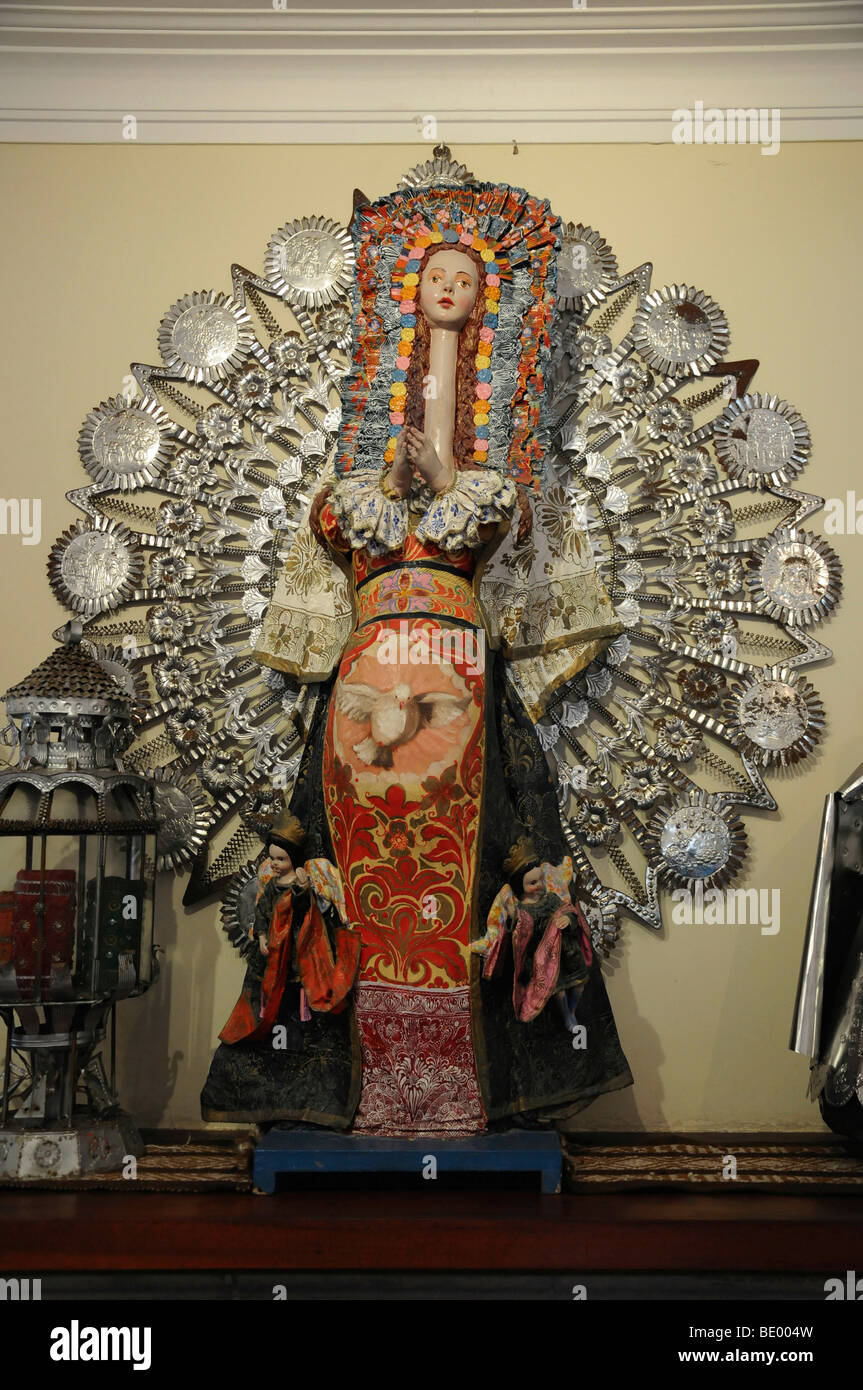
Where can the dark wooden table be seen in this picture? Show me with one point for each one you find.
(429, 1231)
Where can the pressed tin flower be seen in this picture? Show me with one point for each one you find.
(290, 354)
(642, 785)
(334, 326)
(712, 519)
(179, 519)
(595, 823)
(220, 426)
(172, 572)
(715, 632)
(192, 471)
(722, 576)
(254, 387)
(628, 379)
(693, 467)
(223, 770)
(188, 727)
(702, 685)
(169, 623)
(668, 420)
(677, 740)
(176, 675)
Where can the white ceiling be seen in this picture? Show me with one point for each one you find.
(257, 72)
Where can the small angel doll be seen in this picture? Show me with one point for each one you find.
(551, 948)
(293, 938)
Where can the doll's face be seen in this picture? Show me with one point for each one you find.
(532, 882)
(448, 290)
(280, 859)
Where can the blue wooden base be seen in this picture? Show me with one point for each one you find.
(515, 1151)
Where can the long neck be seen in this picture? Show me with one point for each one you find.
(440, 392)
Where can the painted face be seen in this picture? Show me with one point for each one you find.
(448, 289)
(280, 860)
(532, 881)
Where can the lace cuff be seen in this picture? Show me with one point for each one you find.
(368, 518)
(476, 496)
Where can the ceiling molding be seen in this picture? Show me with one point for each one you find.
(357, 73)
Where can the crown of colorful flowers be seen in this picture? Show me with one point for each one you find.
(406, 278)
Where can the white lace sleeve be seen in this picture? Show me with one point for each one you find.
(368, 519)
(477, 495)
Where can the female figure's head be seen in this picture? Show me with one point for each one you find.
(522, 867)
(448, 289)
(284, 842)
(281, 855)
(450, 297)
(526, 882)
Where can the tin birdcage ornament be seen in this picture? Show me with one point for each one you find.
(78, 845)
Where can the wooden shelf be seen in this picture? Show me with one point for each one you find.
(428, 1230)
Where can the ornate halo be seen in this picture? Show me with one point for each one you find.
(310, 262)
(761, 440)
(94, 566)
(794, 576)
(776, 716)
(698, 840)
(442, 171)
(586, 267)
(238, 908)
(680, 329)
(182, 810)
(205, 336)
(125, 443)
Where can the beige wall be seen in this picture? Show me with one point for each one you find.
(98, 241)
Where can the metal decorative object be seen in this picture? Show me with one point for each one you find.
(205, 336)
(762, 439)
(73, 940)
(659, 465)
(699, 840)
(828, 1019)
(124, 443)
(777, 717)
(310, 262)
(795, 576)
(95, 567)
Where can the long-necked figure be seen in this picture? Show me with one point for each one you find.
(422, 767)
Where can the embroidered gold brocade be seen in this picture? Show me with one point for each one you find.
(542, 603)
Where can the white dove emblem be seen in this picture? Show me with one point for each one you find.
(395, 716)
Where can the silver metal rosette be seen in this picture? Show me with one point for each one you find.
(95, 566)
(125, 443)
(698, 839)
(310, 262)
(181, 811)
(762, 439)
(678, 329)
(795, 576)
(586, 267)
(776, 716)
(205, 336)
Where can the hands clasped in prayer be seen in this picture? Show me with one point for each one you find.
(415, 453)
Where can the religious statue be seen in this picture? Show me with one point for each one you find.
(422, 768)
(466, 550)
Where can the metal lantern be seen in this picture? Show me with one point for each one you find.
(78, 834)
